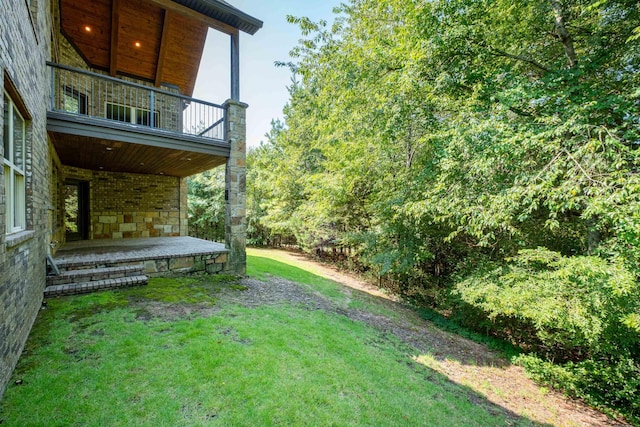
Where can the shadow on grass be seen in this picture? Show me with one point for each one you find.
(91, 360)
(263, 267)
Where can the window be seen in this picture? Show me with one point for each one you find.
(14, 139)
(138, 116)
(74, 101)
(143, 117)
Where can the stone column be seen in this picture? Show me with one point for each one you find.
(183, 228)
(235, 189)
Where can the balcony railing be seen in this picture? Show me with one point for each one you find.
(84, 93)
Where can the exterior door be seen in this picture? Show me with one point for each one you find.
(76, 206)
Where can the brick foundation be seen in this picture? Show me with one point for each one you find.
(24, 48)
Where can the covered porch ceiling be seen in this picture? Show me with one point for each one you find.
(109, 155)
(160, 41)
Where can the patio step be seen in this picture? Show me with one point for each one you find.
(89, 263)
(95, 285)
(85, 278)
(92, 274)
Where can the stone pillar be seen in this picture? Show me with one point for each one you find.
(184, 208)
(235, 188)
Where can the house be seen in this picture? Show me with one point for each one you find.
(100, 131)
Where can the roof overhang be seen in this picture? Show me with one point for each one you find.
(160, 41)
(224, 12)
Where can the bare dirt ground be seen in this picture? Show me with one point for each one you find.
(461, 360)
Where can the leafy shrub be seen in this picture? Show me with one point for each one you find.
(579, 307)
(580, 313)
(612, 383)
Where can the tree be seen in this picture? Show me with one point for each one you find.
(206, 205)
(444, 138)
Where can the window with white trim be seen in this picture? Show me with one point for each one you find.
(14, 139)
(129, 114)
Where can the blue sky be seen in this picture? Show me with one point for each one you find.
(262, 85)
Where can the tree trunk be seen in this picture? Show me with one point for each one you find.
(563, 34)
(593, 236)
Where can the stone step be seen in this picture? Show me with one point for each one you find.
(91, 274)
(96, 285)
(90, 264)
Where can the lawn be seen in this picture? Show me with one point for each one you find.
(183, 352)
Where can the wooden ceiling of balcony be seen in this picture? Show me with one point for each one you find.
(155, 40)
(115, 156)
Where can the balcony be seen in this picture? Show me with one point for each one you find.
(104, 123)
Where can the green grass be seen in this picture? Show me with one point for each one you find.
(99, 360)
(263, 268)
(271, 264)
(506, 349)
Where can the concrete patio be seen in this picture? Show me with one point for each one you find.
(89, 265)
(134, 250)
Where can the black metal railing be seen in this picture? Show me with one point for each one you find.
(85, 93)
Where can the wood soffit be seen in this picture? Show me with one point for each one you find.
(117, 156)
(154, 40)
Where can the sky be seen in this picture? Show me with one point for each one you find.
(262, 85)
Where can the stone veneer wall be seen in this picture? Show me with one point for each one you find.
(168, 267)
(124, 205)
(236, 186)
(24, 49)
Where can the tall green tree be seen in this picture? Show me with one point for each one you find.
(206, 205)
(468, 149)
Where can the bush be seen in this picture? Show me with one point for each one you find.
(580, 313)
(612, 383)
(579, 307)
(207, 205)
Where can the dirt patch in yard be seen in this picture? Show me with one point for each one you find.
(462, 361)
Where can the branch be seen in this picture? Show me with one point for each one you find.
(519, 112)
(522, 58)
(565, 37)
(548, 165)
(616, 137)
(388, 69)
(584, 172)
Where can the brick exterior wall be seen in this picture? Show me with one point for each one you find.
(56, 203)
(124, 205)
(121, 205)
(24, 48)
